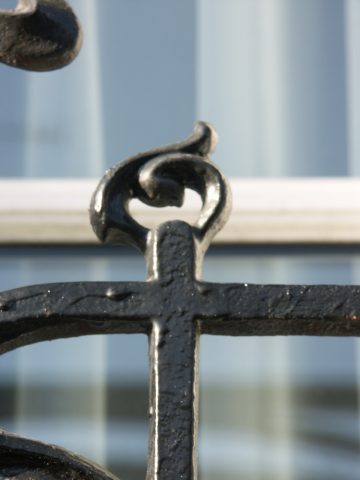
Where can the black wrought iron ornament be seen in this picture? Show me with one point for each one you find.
(173, 307)
(39, 35)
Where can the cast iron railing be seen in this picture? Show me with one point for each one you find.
(173, 307)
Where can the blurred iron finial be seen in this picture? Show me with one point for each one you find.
(39, 35)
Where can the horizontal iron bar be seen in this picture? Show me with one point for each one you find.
(245, 309)
(44, 312)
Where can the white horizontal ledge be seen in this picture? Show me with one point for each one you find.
(265, 211)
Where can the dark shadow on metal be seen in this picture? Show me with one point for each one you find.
(39, 35)
(173, 307)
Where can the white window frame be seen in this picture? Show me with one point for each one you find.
(265, 211)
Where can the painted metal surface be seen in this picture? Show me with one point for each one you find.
(173, 307)
(39, 35)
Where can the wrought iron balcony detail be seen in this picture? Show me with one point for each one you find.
(173, 307)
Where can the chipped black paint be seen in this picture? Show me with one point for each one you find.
(173, 307)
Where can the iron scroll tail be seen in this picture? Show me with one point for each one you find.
(39, 35)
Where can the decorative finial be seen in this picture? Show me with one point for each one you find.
(159, 178)
(39, 35)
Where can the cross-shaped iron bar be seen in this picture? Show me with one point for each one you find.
(173, 307)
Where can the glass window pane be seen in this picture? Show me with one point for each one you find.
(272, 77)
(279, 79)
(131, 88)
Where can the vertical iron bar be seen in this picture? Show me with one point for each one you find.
(174, 343)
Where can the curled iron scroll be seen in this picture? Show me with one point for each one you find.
(25, 459)
(159, 178)
(39, 35)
